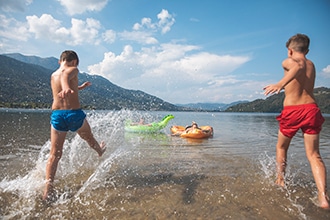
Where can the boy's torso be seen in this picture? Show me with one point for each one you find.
(72, 100)
(300, 90)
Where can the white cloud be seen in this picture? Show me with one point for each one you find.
(43, 27)
(80, 32)
(139, 37)
(85, 31)
(144, 31)
(322, 78)
(80, 6)
(14, 5)
(166, 21)
(326, 71)
(12, 29)
(145, 22)
(169, 70)
(109, 36)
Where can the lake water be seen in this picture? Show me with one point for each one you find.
(157, 176)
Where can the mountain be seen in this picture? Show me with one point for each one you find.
(274, 103)
(48, 63)
(210, 106)
(21, 82)
(28, 85)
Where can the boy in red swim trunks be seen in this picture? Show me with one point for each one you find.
(300, 111)
(66, 115)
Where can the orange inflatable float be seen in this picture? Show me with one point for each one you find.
(192, 132)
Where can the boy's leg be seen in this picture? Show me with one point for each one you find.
(85, 133)
(57, 141)
(318, 167)
(282, 147)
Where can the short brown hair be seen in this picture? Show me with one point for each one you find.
(69, 55)
(299, 43)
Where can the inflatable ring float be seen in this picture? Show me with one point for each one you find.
(197, 133)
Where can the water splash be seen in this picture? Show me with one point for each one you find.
(98, 177)
(21, 192)
(24, 192)
(292, 183)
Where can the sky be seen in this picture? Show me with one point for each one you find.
(182, 51)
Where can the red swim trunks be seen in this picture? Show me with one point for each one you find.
(308, 117)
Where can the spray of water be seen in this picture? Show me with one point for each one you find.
(294, 188)
(24, 192)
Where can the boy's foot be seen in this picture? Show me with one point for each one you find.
(49, 197)
(103, 148)
(49, 189)
(280, 182)
(324, 201)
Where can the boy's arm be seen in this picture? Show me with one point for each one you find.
(84, 85)
(291, 68)
(66, 76)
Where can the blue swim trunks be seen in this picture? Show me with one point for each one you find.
(67, 120)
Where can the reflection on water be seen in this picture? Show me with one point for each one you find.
(156, 176)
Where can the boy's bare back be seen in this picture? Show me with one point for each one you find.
(300, 89)
(64, 83)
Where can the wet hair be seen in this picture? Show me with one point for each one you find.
(69, 55)
(299, 43)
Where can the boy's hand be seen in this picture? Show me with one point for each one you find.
(270, 89)
(64, 93)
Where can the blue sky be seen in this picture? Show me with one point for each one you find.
(182, 51)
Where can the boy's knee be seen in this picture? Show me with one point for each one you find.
(314, 156)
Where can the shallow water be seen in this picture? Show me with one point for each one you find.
(157, 176)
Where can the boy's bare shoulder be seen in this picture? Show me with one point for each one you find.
(293, 64)
(310, 64)
(290, 61)
(56, 72)
(71, 70)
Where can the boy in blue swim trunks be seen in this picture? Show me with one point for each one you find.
(300, 111)
(66, 115)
